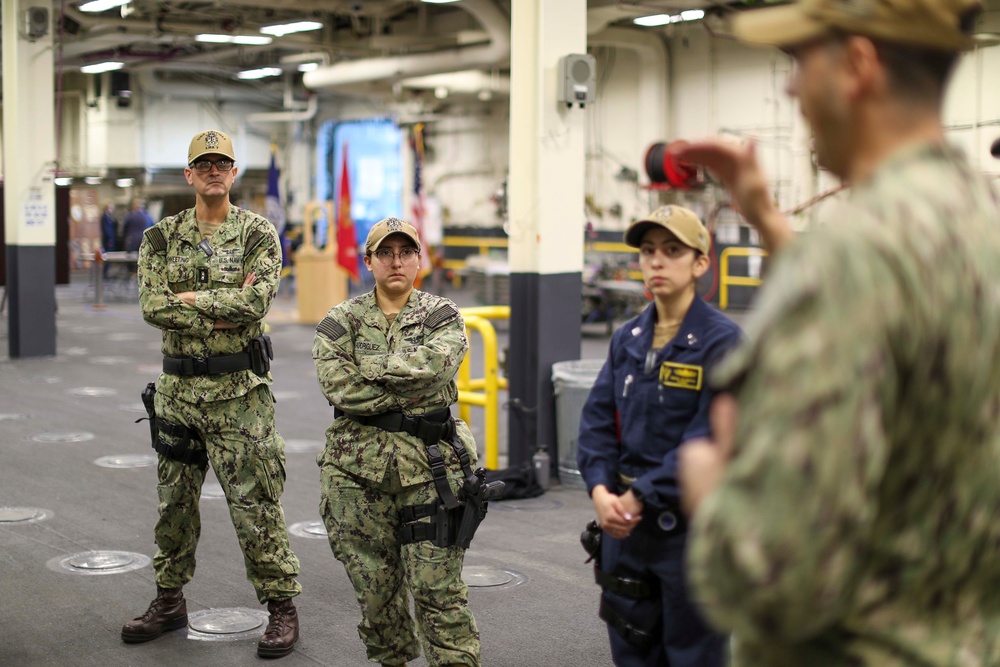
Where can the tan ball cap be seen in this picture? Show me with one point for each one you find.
(679, 221)
(210, 142)
(935, 24)
(384, 228)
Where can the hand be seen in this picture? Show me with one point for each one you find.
(186, 297)
(615, 519)
(737, 167)
(703, 461)
(222, 324)
(250, 279)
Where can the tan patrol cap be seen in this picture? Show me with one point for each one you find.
(210, 142)
(383, 228)
(935, 24)
(679, 221)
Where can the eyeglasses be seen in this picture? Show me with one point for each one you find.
(205, 166)
(406, 255)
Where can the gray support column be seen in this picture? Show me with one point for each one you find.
(29, 191)
(545, 190)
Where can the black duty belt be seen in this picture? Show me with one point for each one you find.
(432, 427)
(224, 363)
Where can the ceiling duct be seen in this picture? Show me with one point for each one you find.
(392, 68)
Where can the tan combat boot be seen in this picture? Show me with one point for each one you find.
(168, 611)
(282, 630)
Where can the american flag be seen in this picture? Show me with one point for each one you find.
(418, 213)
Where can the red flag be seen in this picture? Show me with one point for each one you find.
(419, 208)
(347, 242)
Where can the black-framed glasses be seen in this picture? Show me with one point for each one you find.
(406, 255)
(205, 166)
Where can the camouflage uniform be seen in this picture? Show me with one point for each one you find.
(856, 522)
(233, 412)
(366, 367)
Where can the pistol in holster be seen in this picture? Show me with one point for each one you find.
(590, 538)
(476, 494)
(158, 428)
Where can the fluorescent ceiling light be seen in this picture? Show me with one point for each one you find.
(308, 67)
(97, 68)
(102, 5)
(63, 181)
(664, 19)
(288, 28)
(259, 73)
(439, 2)
(125, 182)
(256, 40)
(92, 180)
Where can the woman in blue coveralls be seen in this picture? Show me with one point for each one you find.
(652, 395)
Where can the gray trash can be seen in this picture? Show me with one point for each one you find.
(572, 381)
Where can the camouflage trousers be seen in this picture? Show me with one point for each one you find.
(363, 521)
(248, 457)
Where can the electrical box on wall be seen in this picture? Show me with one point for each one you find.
(577, 79)
(35, 22)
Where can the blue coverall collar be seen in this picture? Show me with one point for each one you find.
(689, 335)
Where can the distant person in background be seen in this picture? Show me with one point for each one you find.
(136, 222)
(109, 231)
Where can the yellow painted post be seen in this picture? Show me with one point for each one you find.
(725, 280)
(483, 392)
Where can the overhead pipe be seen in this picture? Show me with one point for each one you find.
(392, 68)
(653, 77)
(308, 113)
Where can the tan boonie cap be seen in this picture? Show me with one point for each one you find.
(210, 142)
(386, 227)
(934, 24)
(679, 221)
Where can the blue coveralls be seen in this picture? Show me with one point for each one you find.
(639, 411)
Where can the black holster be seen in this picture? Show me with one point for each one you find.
(159, 427)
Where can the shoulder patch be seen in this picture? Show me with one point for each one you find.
(154, 237)
(254, 240)
(330, 328)
(443, 314)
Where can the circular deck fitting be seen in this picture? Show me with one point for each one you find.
(94, 392)
(109, 361)
(311, 529)
(69, 436)
(10, 515)
(40, 379)
(212, 491)
(286, 395)
(99, 562)
(226, 624)
(133, 407)
(485, 576)
(540, 504)
(303, 446)
(12, 416)
(126, 461)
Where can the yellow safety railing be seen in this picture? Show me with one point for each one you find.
(725, 280)
(483, 392)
